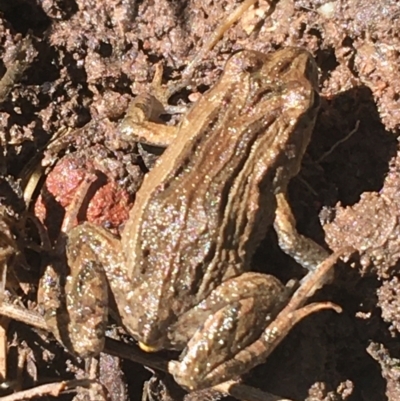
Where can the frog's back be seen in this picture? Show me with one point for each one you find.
(198, 216)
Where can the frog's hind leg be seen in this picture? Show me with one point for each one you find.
(231, 318)
(217, 352)
(75, 304)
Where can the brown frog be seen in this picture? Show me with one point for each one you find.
(180, 273)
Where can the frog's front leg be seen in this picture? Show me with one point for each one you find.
(303, 250)
(231, 318)
(141, 122)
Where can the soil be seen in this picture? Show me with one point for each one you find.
(70, 69)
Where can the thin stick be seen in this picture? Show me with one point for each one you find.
(23, 315)
(211, 42)
(3, 347)
(353, 131)
(52, 389)
(217, 35)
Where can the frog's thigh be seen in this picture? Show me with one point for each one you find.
(87, 305)
(89, 251)
(246, 304)
(303, 250)
(76, 312)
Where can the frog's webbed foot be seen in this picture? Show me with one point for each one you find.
(290, 315)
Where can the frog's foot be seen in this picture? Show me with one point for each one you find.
(138, 124)
(141, 122)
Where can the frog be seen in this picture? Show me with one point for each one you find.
(180, 273)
